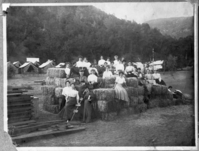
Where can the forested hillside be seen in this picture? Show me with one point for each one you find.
(176, 27)
(64, 33)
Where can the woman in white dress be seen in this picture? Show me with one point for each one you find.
(121, 93)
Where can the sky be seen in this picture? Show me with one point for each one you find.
(142, 12)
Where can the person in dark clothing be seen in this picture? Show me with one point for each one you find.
(160, 81)
(89, 98)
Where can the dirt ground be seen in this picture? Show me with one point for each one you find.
(171, 126)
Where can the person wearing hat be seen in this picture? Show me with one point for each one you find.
(116, 61)
(72, 100)
(93, 68)
(121, 93)
(89, 99)
(92, 79)
(81, 82)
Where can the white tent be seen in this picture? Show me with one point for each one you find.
(60, 65)
(48, 64)
(156, 65)
(45, 64)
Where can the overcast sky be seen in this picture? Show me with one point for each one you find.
(142, 12)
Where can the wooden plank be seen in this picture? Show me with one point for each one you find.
(18, 120)
(47, 132)
(16, 91)
(21, 123)
(19, 98)
(20, 109)
(34, 127)
(19, 104)
(20, 116)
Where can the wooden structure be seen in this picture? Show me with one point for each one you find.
(28, 67)
(48, 64)
(12, 67)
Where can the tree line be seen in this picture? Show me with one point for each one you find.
(65, 33)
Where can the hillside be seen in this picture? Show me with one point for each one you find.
(175, 27)
(65, 33)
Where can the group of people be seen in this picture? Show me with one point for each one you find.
(81, 88)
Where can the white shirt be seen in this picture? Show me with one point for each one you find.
(69, 92)
(65, 91)
(120, 67)
(107, 74)
(116, 62)
(130, 68)
(120, 80)
(156, 76)
(67, 71)
(87, 64)
(101, 62)
(79, 64)
(108, 62)
(92, 78)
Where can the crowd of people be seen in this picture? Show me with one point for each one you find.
(81, 88)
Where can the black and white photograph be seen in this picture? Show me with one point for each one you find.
(101, 75)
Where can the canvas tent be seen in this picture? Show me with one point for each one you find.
(48, 64)
(60, 65)
(16, 64)
(28, 67)
(12, 67)
(156, 65)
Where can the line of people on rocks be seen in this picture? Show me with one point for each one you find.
(86, 78)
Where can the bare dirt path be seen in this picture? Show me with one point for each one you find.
(172, 126)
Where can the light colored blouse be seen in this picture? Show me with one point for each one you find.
(120, 80)
(69, 92)
(120, 67)
(107, 74)
(101, 62)
(79, 64)
(92, 78)
(129, 69)
(67, 71)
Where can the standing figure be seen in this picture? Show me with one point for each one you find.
(79, 63)
(62, 99)
(67, 70)
(72, 100)
(119, 67)
(89, 98)
(101, 61)
(116, 61)
(108, 61)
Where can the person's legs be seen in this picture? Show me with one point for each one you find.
(69, 107)
(62, 102)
